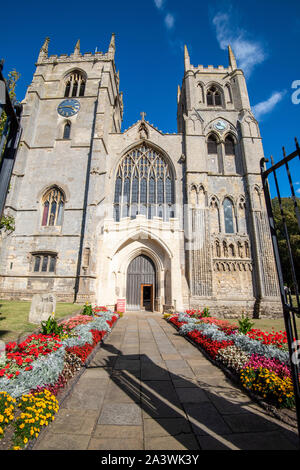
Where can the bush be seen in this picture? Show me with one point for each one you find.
(205, 313)
(245, 325)
(87, 309)
(51, 327)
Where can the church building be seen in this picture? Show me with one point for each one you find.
(159, 221)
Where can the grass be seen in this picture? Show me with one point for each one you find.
(14, 317)
(266, 324)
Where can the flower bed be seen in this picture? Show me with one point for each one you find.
(259, 360)
(34, 371)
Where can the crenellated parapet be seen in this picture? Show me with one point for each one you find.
(76, 56)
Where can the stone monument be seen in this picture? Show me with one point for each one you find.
(42, 307)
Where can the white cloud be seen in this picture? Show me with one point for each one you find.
(268, 105)
(159, 4)
(169, 21)
(248, 53)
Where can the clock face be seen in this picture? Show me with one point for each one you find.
(220, 125)
(68, 107)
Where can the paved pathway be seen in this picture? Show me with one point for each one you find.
(149, 388)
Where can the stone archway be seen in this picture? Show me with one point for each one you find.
(117, 253)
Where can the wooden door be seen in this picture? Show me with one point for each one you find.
(140, 271)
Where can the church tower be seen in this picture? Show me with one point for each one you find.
(229, 256)
(70, 108)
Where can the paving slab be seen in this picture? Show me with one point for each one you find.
(63, 442)
(74, 421)
(190, 395)
(121, 414)
(118, 432)
(205, 418)
(166, 427)
(116, 444)
(180, 442)
(86, 397)
(248, 422)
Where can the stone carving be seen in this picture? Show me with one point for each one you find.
(231, 248)
(42, 307)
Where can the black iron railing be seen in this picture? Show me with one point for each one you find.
(291, 305)
(10, 138)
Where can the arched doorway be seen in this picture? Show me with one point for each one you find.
(140, 286)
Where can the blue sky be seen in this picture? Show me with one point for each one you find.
(150, 36)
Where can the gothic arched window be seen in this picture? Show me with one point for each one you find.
(213, 96)
(67, 130)
(229, 145)
(75, 84)
(212, 152)
(228, 215)
(212, 145)
(144, 185)
(53, 205)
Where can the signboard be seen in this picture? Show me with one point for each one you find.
(121, 305)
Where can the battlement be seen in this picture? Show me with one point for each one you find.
(210, 69)
(220, 69)
(86, 57)
(76, 56)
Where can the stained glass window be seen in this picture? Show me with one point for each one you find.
(53, 204)
(148, 185)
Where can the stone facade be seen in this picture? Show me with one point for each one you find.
(207, 237)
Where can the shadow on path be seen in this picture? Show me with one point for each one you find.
(202, 414)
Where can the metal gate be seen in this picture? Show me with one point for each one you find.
(289, 293)
(140, 271)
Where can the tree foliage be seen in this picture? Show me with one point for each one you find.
(293, 230)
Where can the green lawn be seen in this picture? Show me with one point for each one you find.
(14, 317)
(266, 324)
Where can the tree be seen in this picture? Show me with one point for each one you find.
(294, 235)
(7, 223)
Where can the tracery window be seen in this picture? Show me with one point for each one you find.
(144, 185)
(53, 204)
(75, 84)
(213, 97)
